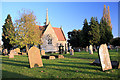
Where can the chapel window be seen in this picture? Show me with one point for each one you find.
(49, 39)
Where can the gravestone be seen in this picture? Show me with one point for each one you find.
(90, 49)
(5, 52)
(86, 49)
(58, 56)
(104, 57)
(42, 52)
(13, 52)
(51, 57)
(34, 57)
(11, 55)
(17, 50)
(48, 57)
(23, 53)
(71, 52)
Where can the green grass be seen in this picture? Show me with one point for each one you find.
(72, 66)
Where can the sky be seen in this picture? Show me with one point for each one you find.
(69, 15)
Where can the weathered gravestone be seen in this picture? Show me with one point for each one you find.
(11, 55)
(5, 52)
(86, 49)
(34, 57)
(104, 57)
(23, 53)
(90, 49)
(17, 50)
(42, 52)
(71, 52)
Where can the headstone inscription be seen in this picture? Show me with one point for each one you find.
(34, 57)
(104, 57)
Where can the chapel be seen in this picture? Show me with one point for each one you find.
(52, 37)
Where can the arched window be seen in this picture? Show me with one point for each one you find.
(49, 39)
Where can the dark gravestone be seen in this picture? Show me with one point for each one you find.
(61, 49)
(71, 52)
(5, 52)
(104, 57)
(34, 57)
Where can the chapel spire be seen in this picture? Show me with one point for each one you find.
(47, 21)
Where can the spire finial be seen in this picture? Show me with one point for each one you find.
(47, 17)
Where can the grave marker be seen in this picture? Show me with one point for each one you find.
(34, 57)
(104, 57)
(42, 52)
(90, 49)
(71, 52)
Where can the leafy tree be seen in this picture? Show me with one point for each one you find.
(26, 30)
(8, 32)
(106, 16)
(105, 32)
(115, 41)
(94, 36)
(75, 38)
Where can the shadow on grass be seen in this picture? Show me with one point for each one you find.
(96, 73)
(16, 64)
(59, 65)
(7, 74)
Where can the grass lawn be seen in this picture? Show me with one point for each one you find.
(72, 66)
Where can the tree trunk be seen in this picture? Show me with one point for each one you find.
(26, 48)
(90, 49)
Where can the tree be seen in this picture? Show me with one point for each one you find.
(105, 32)
(115, 41)
(8, 32)
(26, 30)
(85, 31)
(75, 38)
(106, 16)
(94, 36)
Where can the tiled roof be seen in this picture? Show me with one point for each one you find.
(59, 33)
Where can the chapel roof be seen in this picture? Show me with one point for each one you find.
(58, 31)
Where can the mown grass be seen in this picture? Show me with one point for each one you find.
(72, 66)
